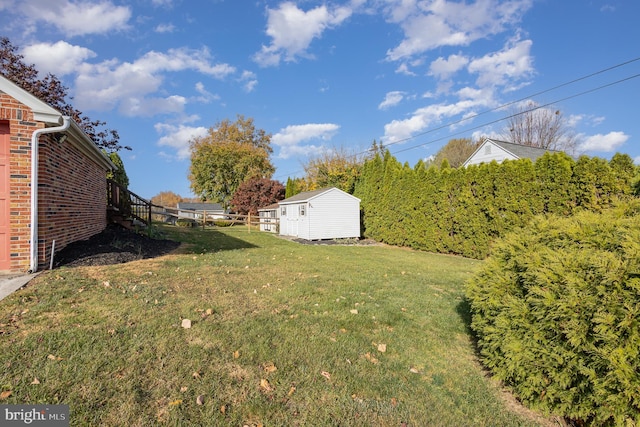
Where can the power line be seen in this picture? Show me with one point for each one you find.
(500, 107)
(503, 106)
(537, 107)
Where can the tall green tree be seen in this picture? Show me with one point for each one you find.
(231, 153)
(294, 186)
(119, 175)
(456, 152)
(337, 168)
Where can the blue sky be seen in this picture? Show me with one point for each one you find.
(333, 75)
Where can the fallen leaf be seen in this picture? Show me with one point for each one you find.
(52, 357)
(353, 311)
(291, 391)
(414, 371)
(394, 401)
(106, 284)
(35, 381)
(223, 409)
(209, 311)
(326, 374)
(175, 402)
(183, 389)
(196, 375)
(186, 323)
(236, 354)
(264, 384)
(5, 394)
(371, 358)
(270, 367)
(200, 399)
(382, 348)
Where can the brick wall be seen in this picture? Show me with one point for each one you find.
(72, 189)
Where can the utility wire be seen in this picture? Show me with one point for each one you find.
(537, 107)
(500, 107)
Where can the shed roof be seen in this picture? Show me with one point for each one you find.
(308, 195)
(271, 207)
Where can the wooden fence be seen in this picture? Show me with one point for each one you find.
(205, 218)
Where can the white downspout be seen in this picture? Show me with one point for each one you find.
(66, 121)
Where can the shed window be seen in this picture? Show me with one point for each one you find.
(302, 208)
(283, 211)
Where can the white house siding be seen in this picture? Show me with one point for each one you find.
(489, 152)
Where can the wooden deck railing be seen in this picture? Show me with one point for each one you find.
(126, 203)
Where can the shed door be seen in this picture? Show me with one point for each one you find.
(5, 235)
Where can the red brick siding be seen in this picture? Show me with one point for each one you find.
(72, 190)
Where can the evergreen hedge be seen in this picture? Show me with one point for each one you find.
(462, 211)
(556, 310)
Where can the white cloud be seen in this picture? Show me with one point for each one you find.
(404, 69)
(76, 18)
(165, 28)
(289, 138)
(178, 137)
(205, 96)
(505, 67)
(249, 80)
(60, 58)
(400, 130)
(165, 3)
(391, 100)
(429, 25)
(150, 106)
(292, 30)
(636, 160)
(603, 143)
(110, 84)
(443, 68)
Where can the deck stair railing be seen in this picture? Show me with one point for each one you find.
(125, 207)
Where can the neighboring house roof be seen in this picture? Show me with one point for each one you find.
(42, 112)
(516, 150)
(217, 207)
(308, 195)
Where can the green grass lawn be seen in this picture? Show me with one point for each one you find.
(281, 334)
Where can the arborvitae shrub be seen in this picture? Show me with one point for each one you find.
(556, 310)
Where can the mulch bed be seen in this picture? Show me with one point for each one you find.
(115, 245)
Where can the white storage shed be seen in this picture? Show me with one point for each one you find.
(328, 213)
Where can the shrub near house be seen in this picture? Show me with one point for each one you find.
(556, 310)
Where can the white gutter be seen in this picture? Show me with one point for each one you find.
(66, 121)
